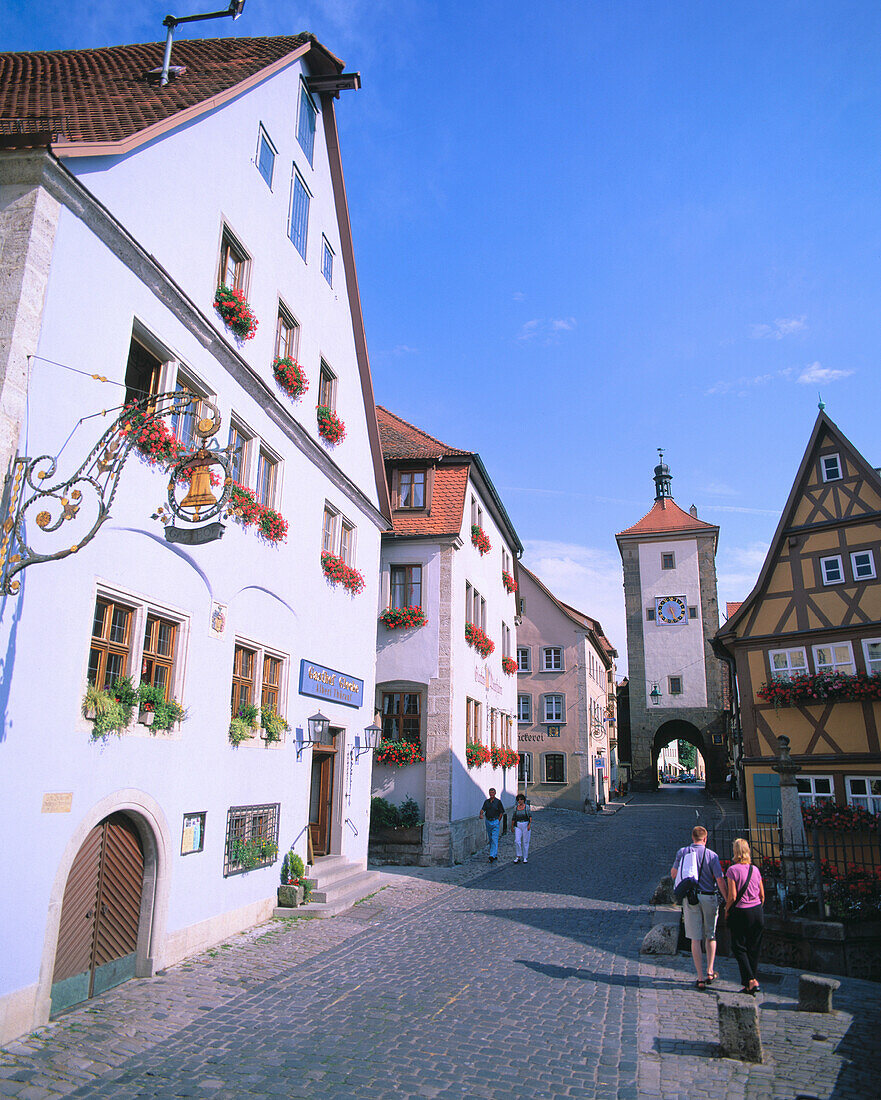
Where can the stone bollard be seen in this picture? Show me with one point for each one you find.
(663, 894)
(815, 993)
(739, 1027)
(661, 940)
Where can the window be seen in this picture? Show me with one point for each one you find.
(831, 467)
(832, 570)
(523, 662)
(266, 152)
(298, 224)
(142, 372)
(239, 441)
(475, 607)
(269, 689)
(111, 642)
(473, 722)
(306, 123)
(326, 386)
(650, 614)
(327, 261)
(347, 541)
(184, 423)
(814, 788)
(668, 560)
(864, 791)
(411, 489)
(338, 535)
(328, 536)
(287, 335)
(493, 728)
(232, 270)
(863, 564)
(872, 654)
(251, 838)
(524, 768)
(267, 474)
(157, 663)
(400, 716)
(674, 685)
(786, 663)
(552, 658)
(406, 586)
(555, 767)
(476, 513)
(522, 605)
(553, 708)
(506, 640)
(524, 708)
(692, 612)
(243, 693)
(834, 658)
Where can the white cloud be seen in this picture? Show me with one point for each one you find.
(738, 569)
(815, 373)
(718, 489)
(402, 349)
(586, 578)
(546, 329)
(782, 326)
(518, 296)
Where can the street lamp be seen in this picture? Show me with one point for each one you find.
(655, 695)
(319, 733)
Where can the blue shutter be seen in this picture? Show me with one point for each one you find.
(266, 159)
(766, 789)
(306, 124)
(299, 215)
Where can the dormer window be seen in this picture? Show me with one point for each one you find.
(831, 467)
(412, 489)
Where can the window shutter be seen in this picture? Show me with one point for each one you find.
(766, 789)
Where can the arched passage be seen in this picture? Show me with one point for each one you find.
(677, 730)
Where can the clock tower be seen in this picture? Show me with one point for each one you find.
(669, 560)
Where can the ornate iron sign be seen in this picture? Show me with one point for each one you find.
(33, 510)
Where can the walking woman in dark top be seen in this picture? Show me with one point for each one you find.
(746, 922)
(521, 820)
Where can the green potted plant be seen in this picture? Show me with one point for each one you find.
(110, 711)
(157, 711)
(291, 892)
(274, 726)
(244, 725)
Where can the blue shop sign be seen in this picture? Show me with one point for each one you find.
(327, 683)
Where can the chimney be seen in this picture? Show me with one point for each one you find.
(692, 511)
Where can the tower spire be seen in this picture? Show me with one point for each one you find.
(663, 477)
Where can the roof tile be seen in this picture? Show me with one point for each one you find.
(666, 516)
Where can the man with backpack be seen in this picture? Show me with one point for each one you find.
(696, 872)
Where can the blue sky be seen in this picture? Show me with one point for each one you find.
(587, 230)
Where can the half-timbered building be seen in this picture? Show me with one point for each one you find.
(806, 642)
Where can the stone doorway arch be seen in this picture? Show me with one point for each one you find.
(677, 729)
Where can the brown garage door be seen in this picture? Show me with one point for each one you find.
(98, 935)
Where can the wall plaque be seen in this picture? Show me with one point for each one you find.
(57, 802)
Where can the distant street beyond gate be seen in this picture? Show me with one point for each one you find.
(499, 982)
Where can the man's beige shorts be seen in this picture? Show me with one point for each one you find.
(700, 919)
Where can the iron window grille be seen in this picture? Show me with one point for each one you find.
(251, 838)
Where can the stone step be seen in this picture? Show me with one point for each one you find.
(338, 901)
(323, 876)
(342, 884)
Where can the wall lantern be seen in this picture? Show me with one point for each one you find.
(372, 738)
(320, 733)
(655, 695)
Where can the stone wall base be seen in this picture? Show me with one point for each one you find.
(827, 947)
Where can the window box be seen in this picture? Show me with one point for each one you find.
(508, 581)
(476, 638)
(403, 617)
(246, 509)
(152, 438)
(479, 539)
(330, 427)
(338, 572)
(398, 754)
(234, 311)
(290, 376)
(509, 665)
(839, 687)
(475, 755)
(504, 758)
(829, 815)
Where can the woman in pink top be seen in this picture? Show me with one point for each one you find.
(743, 907)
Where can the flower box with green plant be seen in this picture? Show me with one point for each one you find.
(842, 687)
(153, 439)
(475, 755)
(162, 713)
(403, 617)
(274, 726)
(504, 758)
(235, 312)
(291, 377)
(398, 754)
(476, 638)
(110, 711)
(244, 725)
(480, 539)
(248, 854)
(843, 819)
(330, 427)
(337, 572)
(508, 581)
(509, 665)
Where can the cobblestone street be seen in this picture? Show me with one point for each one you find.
(501, 982)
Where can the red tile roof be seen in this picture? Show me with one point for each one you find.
(403, 440)
(666, 516)
(730, 608)
(103, 96)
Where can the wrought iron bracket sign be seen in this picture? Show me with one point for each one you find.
(33, 509)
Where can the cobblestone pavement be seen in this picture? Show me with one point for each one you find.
(496, 982)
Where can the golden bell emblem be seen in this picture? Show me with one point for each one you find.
(199, 494)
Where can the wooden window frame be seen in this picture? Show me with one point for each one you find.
(409, 585)
(327, 386)
(244, 681)
(665, 555)
(287, 334)
(232, 247)
(524, 769)
(105, 646)
(269, 493)
(545, 758)
(398, 718)
(824, 573)
(238, 432)
(839, 469)
(857, 576)
(152, 656)
(834, 665)
(262, 690)
(411, 471)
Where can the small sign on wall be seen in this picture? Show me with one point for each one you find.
(57, 802)
(193, 838)
(553, 731)
(718, 739)
(217, 623)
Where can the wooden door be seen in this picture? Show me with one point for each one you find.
(321, 801)
(98, 933)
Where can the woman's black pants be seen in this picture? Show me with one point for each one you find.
(747, 926)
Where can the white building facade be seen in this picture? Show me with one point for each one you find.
(149, 844)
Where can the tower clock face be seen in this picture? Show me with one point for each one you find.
(671, 609)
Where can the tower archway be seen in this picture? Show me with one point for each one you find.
(677, 729)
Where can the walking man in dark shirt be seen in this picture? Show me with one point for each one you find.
(491, 811)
